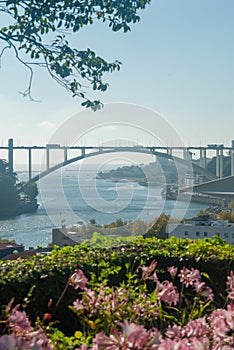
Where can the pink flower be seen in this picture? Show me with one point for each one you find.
(174, 332)
(147, 270)
(39, 341)
(196, 328)
(221, 322)
(203, 290)
(8, 342)
(78, 305)
(167, 292)
(189, 277)
(154, 277)
(173, 271)
(78, 280)
(133, 337)
(83, 347)
(91, 295)
(19, 321)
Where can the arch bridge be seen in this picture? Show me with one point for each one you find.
(91, 151)
(94, 151)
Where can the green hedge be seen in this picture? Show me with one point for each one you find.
(49, 273)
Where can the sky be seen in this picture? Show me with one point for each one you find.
(178, 61)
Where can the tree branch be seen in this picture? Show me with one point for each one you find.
(69, 67)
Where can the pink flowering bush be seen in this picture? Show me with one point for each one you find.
(158, 306)
(20, 334)
(213, 332)
(141, 313)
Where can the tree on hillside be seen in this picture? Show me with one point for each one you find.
(8, 192)
(158, 229)
(37, 31)
(30, 190)
(5, 170)
(9, 197)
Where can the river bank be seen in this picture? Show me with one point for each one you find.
(35, 228)
(22, 207)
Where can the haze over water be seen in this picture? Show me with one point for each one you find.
(35, 229)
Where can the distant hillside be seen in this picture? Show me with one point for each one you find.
(211, 166)
(157, 172)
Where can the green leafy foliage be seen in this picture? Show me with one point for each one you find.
(8, 192)
(12, 199)
(30, 189)
(158, 229)
(108, 261)
(32, 24)
(144, 297)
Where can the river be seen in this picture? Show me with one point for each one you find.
(65, 197)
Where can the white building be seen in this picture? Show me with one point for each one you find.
(202, 227)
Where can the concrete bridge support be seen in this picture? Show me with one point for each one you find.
(186, 154)
(169, 151)
(203, 161)
(47, 158)
(65, 154)
(232, 161)
(29, 164)
(10, 156)
(217, 163)
(204, 156)
(201, 158)
(231, 153)
(221, 164)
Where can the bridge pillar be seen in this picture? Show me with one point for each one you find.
(232, 158)
(169, 151)
(47, 158)
(29, 164)
(217, 163)
(232, 162)
(203, 157)
(221, 164)
(65, 155)
(10, 156)
(83, 152)
(185, 154)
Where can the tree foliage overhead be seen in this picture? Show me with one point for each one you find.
(31, 23)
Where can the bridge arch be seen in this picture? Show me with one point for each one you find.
(196, 167)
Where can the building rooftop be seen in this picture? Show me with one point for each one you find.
(9, 245)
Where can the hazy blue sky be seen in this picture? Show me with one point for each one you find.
(179, 61)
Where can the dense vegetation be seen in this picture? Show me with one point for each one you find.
(124, 172)
(159, 172)
(11, 202)
(114, 268)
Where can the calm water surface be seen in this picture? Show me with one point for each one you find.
(85, 198)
